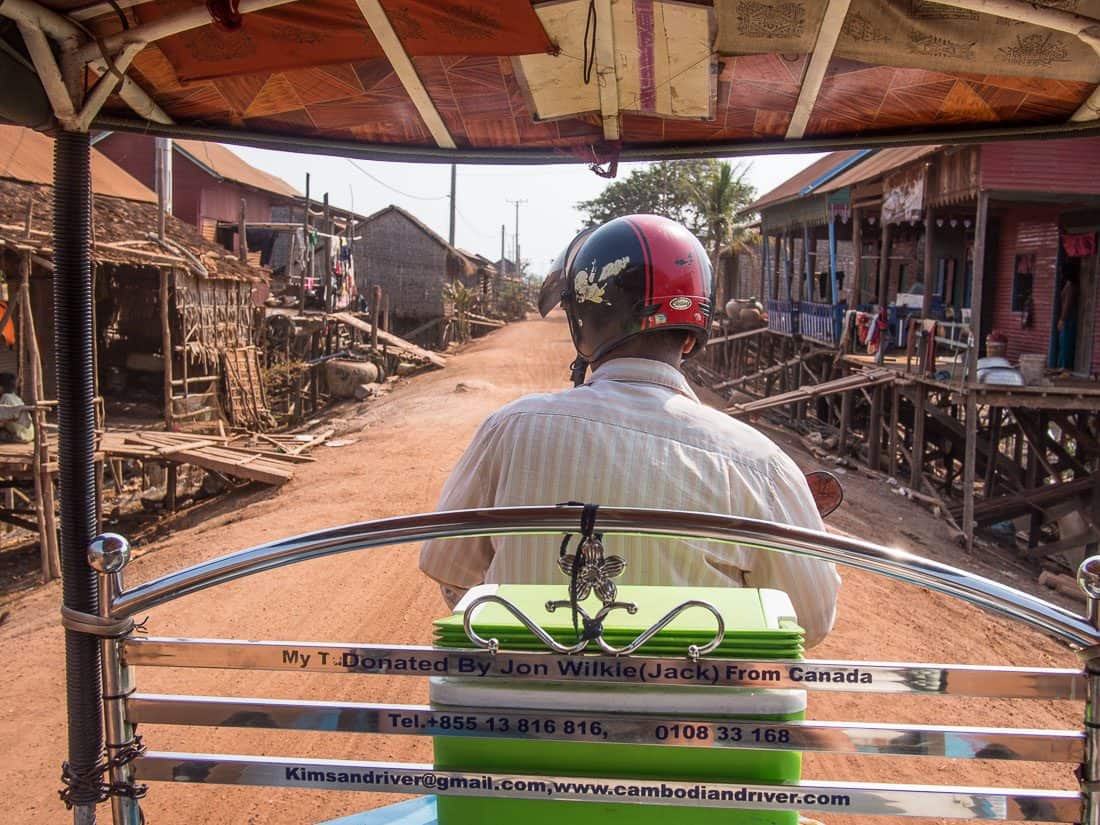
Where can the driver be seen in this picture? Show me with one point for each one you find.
(637, 293)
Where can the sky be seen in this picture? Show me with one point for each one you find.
(548, 217)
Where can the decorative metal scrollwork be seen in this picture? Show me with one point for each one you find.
(591, 572)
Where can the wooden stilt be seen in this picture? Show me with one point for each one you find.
(166, 348)
(1031, 480)
(916, 468)
(969, 462)
(874, 434)
(892, 458)
(976, 291)
(845, 423)
(995, 417)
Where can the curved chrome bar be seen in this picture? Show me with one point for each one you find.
(893, 563)
(492, 645)
(693, 651)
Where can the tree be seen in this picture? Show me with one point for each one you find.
(703, 195)
(664, 188)
(719, 196)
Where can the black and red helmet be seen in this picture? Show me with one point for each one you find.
(632, 275)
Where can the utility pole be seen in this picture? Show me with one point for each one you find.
(451, 234)
(307, 250)
(502, 247)
(326, 257)
(517, 205)
(163, 178)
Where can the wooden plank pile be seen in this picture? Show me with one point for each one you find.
(856, 381)
(400, 345)
(209, 452)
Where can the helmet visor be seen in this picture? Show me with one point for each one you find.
(557, 279)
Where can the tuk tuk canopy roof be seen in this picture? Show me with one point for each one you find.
(515, 80)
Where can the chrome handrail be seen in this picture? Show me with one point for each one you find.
(862, 555)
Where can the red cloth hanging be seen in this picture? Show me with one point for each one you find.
(1079, 245)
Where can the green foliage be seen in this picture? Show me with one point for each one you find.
(462, 299)
(703, 195)
(513, 303)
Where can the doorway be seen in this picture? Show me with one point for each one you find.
(1082, 271)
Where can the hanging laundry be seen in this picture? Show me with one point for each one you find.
(1079, 245)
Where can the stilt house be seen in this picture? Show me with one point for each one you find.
(951, 264)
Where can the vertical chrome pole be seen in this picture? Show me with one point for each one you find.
(109, 554)
(1088, 577)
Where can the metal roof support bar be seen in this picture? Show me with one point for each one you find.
(375, 16)
(100, 9)
(1086, 29)
(827, 35)
(134, 96)
(49, 73)
(167, 26)
(106, 84)
(607, 77)
(35, 22)
(32, 14)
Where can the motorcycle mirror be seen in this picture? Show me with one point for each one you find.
(826, 490)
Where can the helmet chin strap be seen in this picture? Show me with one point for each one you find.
(577, 370)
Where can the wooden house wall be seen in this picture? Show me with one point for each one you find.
(134, 153)
(1063, 166)
(221, 201)
(955, 176)
(396, 254)
(1027, 229)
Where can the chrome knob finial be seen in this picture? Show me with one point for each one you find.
(108, 552)
(1088, 576)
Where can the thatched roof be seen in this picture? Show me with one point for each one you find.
(124, 222)
(122, 230)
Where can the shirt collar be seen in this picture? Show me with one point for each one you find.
(643, 371)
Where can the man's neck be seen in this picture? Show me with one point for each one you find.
(672, 360)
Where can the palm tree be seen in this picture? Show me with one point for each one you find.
(719, 196)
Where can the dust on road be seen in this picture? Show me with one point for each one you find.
(407, 445)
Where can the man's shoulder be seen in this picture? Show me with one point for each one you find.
(680, 418)
(535, 403)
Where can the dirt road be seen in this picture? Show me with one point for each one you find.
(406, 445)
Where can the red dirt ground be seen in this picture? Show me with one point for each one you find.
(407, 443)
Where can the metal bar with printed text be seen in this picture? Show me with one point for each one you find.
(885, 739)
(398, 660)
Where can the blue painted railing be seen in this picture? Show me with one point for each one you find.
(782, 316)
(818, 322)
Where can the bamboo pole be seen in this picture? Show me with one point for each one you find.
(43, 485)
(166, 347)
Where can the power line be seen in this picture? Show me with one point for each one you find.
(381, 182)
(473, 227)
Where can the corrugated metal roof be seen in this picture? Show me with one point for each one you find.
(27, 156)
(881, 162)
(790, 188)
(225, 164)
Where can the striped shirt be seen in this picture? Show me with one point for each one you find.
(634, 435)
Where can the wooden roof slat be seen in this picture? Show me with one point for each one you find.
(380, 25)
(827, 37)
